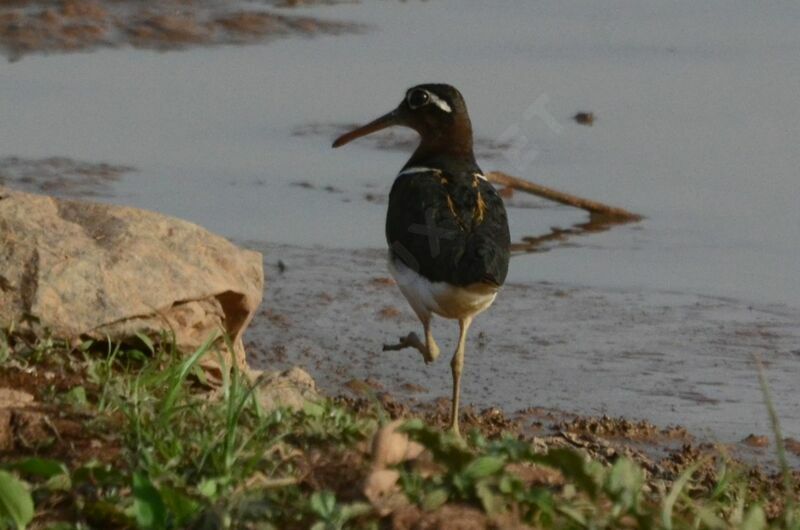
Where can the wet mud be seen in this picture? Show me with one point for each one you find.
(61, 177)
(555, 353)
(60, 26)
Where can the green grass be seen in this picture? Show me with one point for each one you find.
(174, 456)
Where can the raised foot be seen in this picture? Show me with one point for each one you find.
(412, 340)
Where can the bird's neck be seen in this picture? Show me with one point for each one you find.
(453, 144)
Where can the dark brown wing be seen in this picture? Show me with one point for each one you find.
(449, 227)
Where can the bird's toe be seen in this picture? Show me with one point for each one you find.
(432, 352)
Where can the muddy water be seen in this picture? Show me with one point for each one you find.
(696, 129)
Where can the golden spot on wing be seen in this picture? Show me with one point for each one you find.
(453, 211)
(474, 181)
(480, 209)
(444, 181)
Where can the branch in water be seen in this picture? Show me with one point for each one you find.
(613, 214)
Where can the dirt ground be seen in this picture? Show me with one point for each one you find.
(33, 424)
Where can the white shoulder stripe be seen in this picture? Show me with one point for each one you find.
(416, 169)
(423, 169)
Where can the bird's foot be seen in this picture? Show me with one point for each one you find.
(412, 340)
(433, 351)
(455, 430)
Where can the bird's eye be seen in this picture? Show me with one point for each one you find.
(418, 98)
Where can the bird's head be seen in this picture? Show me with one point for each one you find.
(436, 111)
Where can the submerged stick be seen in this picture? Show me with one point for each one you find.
(593, 207)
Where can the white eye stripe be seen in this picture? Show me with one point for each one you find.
(439, 102)
(432, 98)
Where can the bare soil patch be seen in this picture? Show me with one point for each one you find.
(60, 176)
(663, 453)
(59, 26)
(47, 425)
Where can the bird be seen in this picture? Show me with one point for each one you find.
(446, 225)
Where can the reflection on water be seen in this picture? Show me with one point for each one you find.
(561, 236)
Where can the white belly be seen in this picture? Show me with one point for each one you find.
(442, 298)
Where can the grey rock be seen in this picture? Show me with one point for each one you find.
(83, 269)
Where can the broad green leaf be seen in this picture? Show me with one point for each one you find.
(754, 519)
(492, 502)
(541, 498)
(135, 355)
(434, 499)
(16, 504)
(707, 518)
(39, 467)
(624, 484)
(53, 471)
(99, 474)
(148, 506)
(323, 503)
(572, 513)
(355, 509)
(414, 424)
(315, 410)
(77, 397)
(207, 488)
(59, 483)
(484, 467)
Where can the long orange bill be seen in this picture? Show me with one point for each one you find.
(387, 120)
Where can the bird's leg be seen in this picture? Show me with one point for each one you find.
(429, 350)
(457, 365)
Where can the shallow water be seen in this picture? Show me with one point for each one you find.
(697, 127)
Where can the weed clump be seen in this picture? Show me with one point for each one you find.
(155, 449)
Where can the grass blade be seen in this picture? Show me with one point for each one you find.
(779, 446)
(672, 497)
(178, 378)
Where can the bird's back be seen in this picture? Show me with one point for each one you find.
(449, 225)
